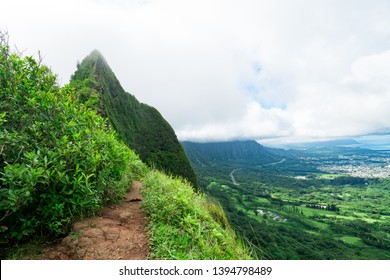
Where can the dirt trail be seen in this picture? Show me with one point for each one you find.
(117, 233)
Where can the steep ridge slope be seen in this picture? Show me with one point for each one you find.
(140, 126)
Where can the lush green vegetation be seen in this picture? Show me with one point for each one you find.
(60, 161)
(140, 126)
(291, 210)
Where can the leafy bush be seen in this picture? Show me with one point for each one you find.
(58, 159)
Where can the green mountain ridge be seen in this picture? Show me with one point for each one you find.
(229, 152)
(139, 125)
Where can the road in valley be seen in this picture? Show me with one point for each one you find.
(232, 177)
(267, 164)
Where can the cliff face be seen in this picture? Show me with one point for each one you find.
(140, 126)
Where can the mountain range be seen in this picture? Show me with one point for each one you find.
(238, 152)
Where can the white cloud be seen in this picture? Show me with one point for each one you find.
(370, 74)
(354, 104)
(228, 69)
(268, 123)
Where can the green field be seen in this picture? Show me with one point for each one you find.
(351, 240)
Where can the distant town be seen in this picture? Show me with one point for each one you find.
(361, 171)
(362, 166)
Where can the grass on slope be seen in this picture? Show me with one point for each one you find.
(186, 225)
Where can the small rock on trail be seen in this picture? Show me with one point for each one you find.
(117, 233)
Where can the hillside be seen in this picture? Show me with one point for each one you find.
(229, 152)
(140, 126)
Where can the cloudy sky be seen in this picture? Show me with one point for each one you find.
(277, 71)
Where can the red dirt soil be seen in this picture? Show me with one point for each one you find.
(117, 233)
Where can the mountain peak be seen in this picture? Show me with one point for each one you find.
(96, 52)
(91, 59)
(97, 56)
(140, 126)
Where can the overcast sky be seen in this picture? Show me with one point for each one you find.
(275, 71)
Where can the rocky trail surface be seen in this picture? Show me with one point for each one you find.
(117, 233)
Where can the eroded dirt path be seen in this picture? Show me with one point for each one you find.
(117, 233)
